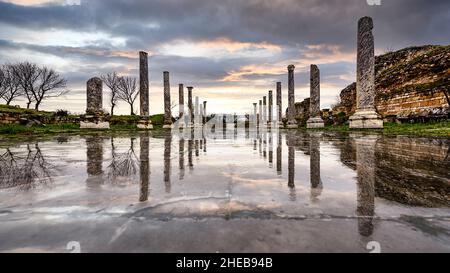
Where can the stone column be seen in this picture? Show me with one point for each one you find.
(315, 120)
(260, 114)
(204, 112)
(292, 122)
(181, 100)
(143, 84)
(255, 114)
(196, 110)
(201, 115)
(145, 122)
(167, 108)
(190, 106)
(365, 116)
(269, 122)
(264, 117)
(279, 105)
(94, 95)
(95, 117)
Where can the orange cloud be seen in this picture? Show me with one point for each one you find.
(311, 54)
(233, 46)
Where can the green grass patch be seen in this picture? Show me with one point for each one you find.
(437, 129)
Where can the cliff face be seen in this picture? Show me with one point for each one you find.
(410, 83)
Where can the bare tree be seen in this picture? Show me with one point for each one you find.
(10, 87)
(2, 80)
(112, 80)
(51, 85)
(128, 91)
(28, 75)
(38, 83)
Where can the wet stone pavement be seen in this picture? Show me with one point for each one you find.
(281, 191)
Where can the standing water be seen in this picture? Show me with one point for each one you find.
(267, 192)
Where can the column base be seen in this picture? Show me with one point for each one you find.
(292, 125)
(94, 125)
(144, 124)
(366, 119)
(315, 123)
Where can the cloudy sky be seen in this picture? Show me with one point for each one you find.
(232, 51)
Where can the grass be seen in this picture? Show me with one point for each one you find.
(437, 129)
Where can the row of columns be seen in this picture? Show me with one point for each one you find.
(365, 117)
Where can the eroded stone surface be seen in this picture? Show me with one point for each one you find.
(143, 84)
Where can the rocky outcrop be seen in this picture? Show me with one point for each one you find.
(412, 83)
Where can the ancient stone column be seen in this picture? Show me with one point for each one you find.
(196, 111)
(167, 108)
(365, 116)
(94, 96)
(269, 122)
(292, 122)
(204, 111)
(181, 100)
(190, 106)
(143, 83)
(264, 117)
(255, 114)
(145, 122)
(95, 117)
(315, 120)
(279, 105)
(201, 115)
(260, 114)
(144, 167)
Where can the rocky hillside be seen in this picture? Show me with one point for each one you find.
(412, 83)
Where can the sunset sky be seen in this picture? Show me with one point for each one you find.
(231, 51)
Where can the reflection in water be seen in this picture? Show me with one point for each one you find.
(190, 159)
(291, 165)
(365, 168)
(408, 172)
(270, 149)
(181, 158)
(316, 182)
(144, 167)
(264, 144)
(24, 170)
(167, 165)
(94, 152)
(123, 165)
(279, 154)
(197, 151)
